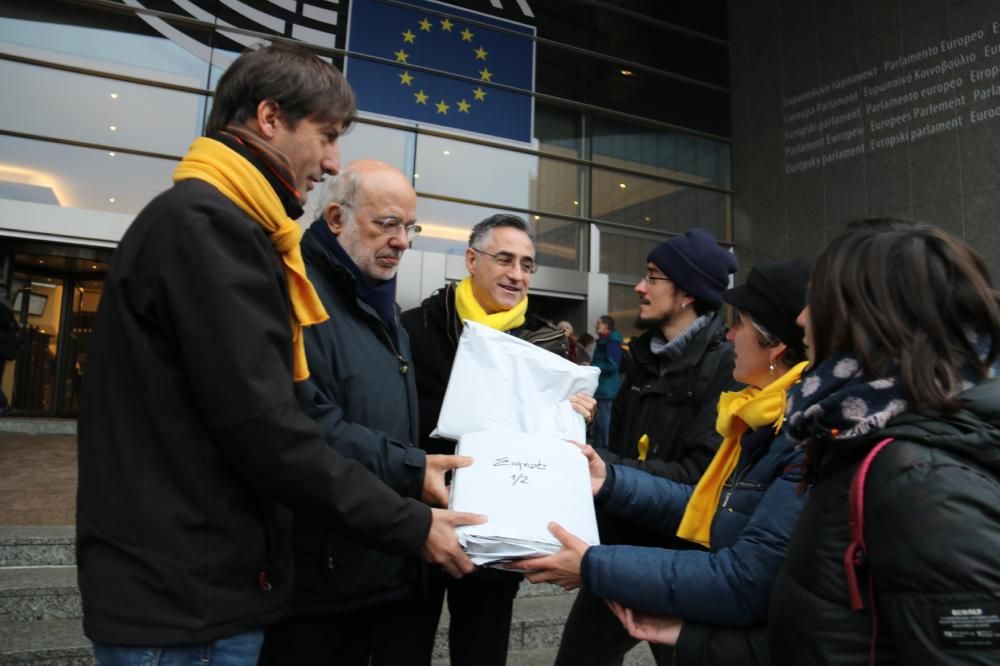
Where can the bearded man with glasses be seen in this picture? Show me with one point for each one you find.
(500, 260)
(663, 419)
(352, 604)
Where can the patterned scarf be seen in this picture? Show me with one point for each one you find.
(836, 400)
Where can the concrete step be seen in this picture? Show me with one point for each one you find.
(38, 593)
(45, 643)
(32, 546)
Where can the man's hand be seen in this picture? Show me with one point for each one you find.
(442, 543)
(584, 405)
(435, 492)
(662, 630)
(561, 568)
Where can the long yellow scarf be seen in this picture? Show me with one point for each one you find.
(469, 308)
(240, 182)
(738, 410)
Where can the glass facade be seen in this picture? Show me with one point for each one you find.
(629, 139)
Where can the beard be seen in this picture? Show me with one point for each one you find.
(646, 323)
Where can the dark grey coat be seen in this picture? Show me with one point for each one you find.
(362, 394)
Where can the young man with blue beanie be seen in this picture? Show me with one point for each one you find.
(663, 419)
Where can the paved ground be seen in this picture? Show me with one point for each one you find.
(37, 479)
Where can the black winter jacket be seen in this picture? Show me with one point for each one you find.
(190, 436)
(676, 410)
(434, 330)
(932, 526)
(361, 393)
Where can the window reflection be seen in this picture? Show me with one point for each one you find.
(72, 177)
(106, 112)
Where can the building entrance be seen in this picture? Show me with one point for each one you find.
(54, 292)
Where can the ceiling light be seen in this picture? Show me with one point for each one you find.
(416, 175)
(111, 153)
(626, 72)
(94, 267)
(648, 220)
(114, 95)
(111, 199)
(622, 185)
(538, 217)
(113, 128)
(576, 203)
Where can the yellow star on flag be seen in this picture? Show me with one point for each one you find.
(485, 74)
(479, 94)
(421, 97)
(401, 56)
(466, 35)
(425, 25)
(442, 107)
(446, 24)
(481, 53)
(463, 106)
(405, 79)
(408, 37)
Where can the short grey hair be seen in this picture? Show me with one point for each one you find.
(342, 188)
(486, 227)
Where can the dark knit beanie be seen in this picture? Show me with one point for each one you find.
(697, 265)
(774, 295)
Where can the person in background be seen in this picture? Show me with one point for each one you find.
(500, 260)
(903, 331)
(571, 346)
(710, 601)
(585, 348)
(608, 357)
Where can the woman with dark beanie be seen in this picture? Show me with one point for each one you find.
(903, 328)
(735, 522)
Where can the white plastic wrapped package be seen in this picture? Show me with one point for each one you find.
(500, 382)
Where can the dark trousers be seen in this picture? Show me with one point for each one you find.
(593, 636)
(391, 634)
(479, 609)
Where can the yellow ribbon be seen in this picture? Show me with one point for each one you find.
(240, 182)
(469, 308)
(738, 410)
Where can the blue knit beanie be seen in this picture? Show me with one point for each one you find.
(697, 265)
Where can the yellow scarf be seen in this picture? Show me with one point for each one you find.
(240, 181)
(469, 308)
(754, 408)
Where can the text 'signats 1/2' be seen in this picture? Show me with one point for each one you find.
(483, 67)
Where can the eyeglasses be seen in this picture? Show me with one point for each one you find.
(506, 260)
(391, 227)
(649, 278)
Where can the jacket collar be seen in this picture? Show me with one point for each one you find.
(708, 338)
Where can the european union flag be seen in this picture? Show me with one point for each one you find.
(410, 36)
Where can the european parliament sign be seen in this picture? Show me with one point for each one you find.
(467, 53)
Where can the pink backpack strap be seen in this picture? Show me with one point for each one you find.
(856, 556)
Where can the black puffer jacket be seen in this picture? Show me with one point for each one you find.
(362, 394)
(676, 409)
(434, 330)
(932, 525)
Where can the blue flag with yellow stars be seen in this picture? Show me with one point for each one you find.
(407, 35)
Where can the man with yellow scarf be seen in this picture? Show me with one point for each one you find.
(500, 260)
(191, 441)
(709, 600)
